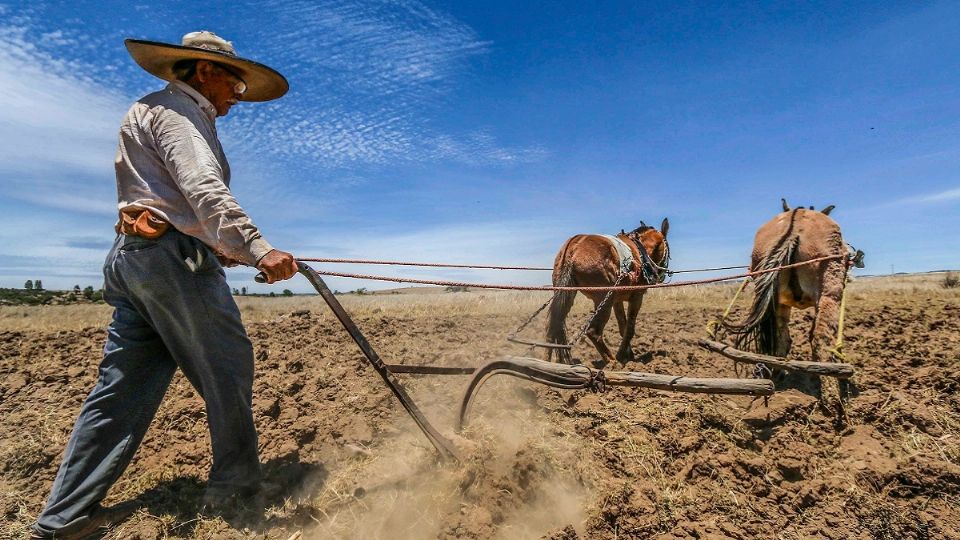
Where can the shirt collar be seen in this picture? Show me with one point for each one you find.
(202, 101)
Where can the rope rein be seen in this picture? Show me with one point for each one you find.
(487, 266)
(443, 283)
(424, 264)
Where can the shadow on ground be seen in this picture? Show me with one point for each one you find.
(286, 479)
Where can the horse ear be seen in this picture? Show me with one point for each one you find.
(664, 227)
(623, 231)
(786, 207)
(642, 225)
(828, 209)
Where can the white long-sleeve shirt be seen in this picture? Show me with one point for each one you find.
(170, 161)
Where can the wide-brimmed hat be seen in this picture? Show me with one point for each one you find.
(263, 83)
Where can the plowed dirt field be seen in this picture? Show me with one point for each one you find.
(344, 460)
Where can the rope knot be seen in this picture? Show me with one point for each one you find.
(597, 383)
(761, 371)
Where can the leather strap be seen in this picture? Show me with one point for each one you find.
(141, 222)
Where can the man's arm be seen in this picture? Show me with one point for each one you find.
(197, 172)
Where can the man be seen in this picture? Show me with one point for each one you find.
(172, 305)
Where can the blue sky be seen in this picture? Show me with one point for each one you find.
(489, 132)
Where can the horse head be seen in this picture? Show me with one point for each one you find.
(654, 243)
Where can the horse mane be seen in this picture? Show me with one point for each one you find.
(641, 229)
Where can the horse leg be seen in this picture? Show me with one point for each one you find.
(824, 332)
(595, 331)
(625, 352)
(827, 317)
(783, 342)
(621, 317)
(556, 325)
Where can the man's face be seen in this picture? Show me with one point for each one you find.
(219, 85)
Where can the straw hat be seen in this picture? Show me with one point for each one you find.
(263, 83)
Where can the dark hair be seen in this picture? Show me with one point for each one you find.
(183, 70)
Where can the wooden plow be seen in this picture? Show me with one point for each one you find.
(579, 377)
(564, 376)
(839, 370)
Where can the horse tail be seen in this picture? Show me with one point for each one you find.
(559, 308)
(758, 331)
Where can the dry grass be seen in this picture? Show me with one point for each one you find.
(46, 318)
(425, 302)
(34, 449)
(899, 282)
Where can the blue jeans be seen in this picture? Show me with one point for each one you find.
(173, 309)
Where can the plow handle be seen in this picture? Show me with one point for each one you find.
(443, 446)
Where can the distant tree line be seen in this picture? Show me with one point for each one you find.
(88, 293)
(242, 291)
(33, 293)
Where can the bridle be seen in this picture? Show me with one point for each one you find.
(651, 271)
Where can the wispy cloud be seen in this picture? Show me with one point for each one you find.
(366, 79)
(481, 148)
(57, 130)
(99, 243)
(927, 198)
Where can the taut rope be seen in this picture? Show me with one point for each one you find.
(443, 283)
(486, 266)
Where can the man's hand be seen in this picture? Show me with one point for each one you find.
(277, 265)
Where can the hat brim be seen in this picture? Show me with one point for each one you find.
(263, 82)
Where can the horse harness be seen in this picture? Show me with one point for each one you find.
(648, 268)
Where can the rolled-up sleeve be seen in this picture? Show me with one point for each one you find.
(200, 178)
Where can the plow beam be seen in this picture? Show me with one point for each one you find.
(577, 377)
(829, 369)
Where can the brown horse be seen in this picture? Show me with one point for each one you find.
(794, 236)
(637, 257)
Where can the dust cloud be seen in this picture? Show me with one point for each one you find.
(518, 477)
